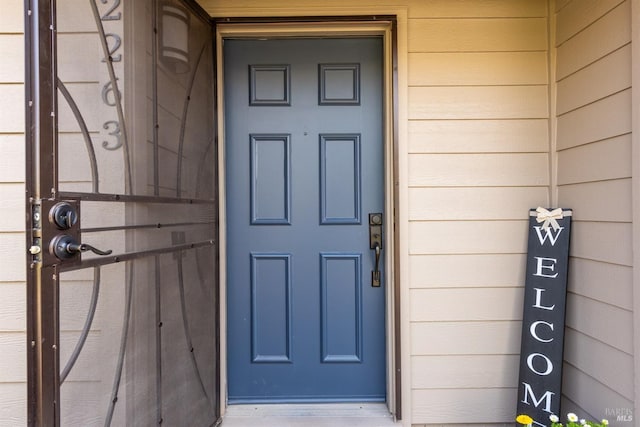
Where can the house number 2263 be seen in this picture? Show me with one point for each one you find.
(114, 42)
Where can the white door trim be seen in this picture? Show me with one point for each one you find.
(342, 29)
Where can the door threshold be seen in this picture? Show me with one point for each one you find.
(308, 415)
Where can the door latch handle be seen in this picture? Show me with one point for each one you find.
(65, 247)
(375, 274)
(375, 243)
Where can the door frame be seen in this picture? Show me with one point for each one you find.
(345, 26)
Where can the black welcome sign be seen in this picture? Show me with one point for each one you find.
(540, 383)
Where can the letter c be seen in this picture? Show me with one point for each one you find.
(533, 327)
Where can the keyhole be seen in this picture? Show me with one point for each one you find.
(63, 215)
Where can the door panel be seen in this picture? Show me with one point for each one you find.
(304, 162)
(132, 260)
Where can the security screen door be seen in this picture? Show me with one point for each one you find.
(305, 178)
(124, 217)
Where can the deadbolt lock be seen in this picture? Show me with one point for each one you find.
(63, 215)
(375, 230)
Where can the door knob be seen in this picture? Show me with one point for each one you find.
(65, 247)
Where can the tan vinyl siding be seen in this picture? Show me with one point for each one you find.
(478, 109)
(594, 165)
(478, 159)
(13, 372)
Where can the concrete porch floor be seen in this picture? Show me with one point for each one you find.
(309, 415)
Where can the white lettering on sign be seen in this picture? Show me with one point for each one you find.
(534, 333)
(542, 266)
(538, 303)
(547, 361)
(548, 234)
(528, 392)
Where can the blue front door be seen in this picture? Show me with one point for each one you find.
(304, 162)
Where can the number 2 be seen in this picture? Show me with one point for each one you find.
(107, 16)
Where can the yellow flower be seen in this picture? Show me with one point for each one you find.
(525, 420)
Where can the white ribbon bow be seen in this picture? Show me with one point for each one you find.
(549, 217)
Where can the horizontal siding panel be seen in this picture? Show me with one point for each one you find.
(72, 47)
(13, 411)
(475, 9)
(608, 324)
(12, 161)
(607, 76)
(13, 363)
(12, 54)
(12, 254)
(609, 366)
(609, 159)
(11, 208)
(440, 271)
(478, 102)
(76, 15)
(477, 35)
(480, 371)
(94, 363)
(14, 306)
(614, 193)
(604, 36)
(580, 14)
(253, 8)
(83, 404)
(471, 237)
(602, 241)
(603, 119)
(477, 69)
(479, 304)
(481, 203)
(74, 161)
(560, 4)
(587, 277)
(12, 17)
(446, 338)
(75, 298)
(478, 136)
(86, 96)
(581, 387)
(12, 119)
(471, 170)
(464, 406)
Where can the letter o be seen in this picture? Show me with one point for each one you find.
(530, 363)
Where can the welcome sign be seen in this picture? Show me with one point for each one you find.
(540, 383)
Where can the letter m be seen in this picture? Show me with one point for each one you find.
(528, 392)
(548, 233)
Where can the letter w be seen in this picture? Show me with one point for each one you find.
(548, 234)
(536, 402)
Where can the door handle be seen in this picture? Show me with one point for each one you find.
(375, 243)
(375, 274)
(64, 246)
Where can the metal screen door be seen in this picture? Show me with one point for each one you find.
(123, 288)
